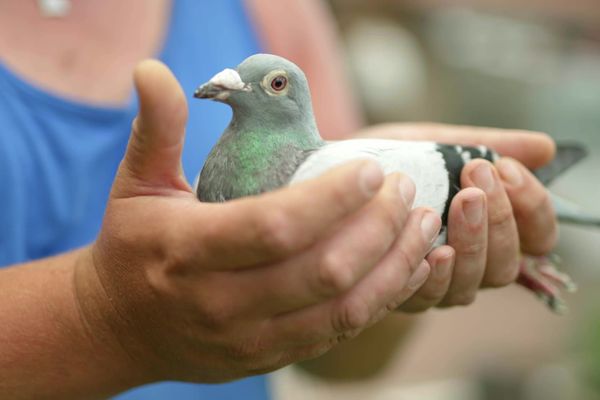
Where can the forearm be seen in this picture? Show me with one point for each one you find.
(46, 350)
(367, 354)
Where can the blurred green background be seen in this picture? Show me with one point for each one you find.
(532, 65)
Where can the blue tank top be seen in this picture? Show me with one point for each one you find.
(58, 157)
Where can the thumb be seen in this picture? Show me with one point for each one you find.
(153, 157)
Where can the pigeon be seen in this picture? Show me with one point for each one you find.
(273, 141)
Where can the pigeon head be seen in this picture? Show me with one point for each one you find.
(264, 89)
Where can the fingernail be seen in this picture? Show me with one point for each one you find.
(510, 172)
(443, 264)
(430, 226)
(473, 210)
(407, 190)
(371, 178)
(483, 177)
(419, 276)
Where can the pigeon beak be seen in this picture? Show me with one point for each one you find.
(209, 91)
(220, 86)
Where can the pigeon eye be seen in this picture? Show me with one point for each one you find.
(279, 83)
(275, 83)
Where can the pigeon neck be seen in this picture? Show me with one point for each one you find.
(252, 158)
(301, 129)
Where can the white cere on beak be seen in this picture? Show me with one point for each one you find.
(228, 79)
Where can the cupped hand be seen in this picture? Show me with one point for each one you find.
(502, 210)
(213, 292)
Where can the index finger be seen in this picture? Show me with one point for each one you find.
(274, 225)
(533, 149)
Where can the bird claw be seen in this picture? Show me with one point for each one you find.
(541, 276)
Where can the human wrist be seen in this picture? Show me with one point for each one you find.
(104, 330)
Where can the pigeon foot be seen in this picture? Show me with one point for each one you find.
(542, 277)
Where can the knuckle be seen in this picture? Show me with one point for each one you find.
(546, 245)
(503, 276)
(498, 281)
(352, 315)
(213, 319)
(312, 351)
(216, 316)
(538, 234)
(392, 216)
(334, 273)
(394, 305)
(471, 249)
(375, 231)
(403, 260)
(160, 282)
(461, 299)
(339, 195)
(501, 217)
(343, 337)
(504, 244)
(316, 351)
(534, 201)
(379, 315)
(247, 352)
(276, 231)
(429, 298)
(176, 263)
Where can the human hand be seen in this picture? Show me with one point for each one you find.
(502, 210)
(213, 292)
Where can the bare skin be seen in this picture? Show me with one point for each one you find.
(175, 289)
(483, 251)
(136, 293)
(515, 216)
(90, 54)
(458, 270)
